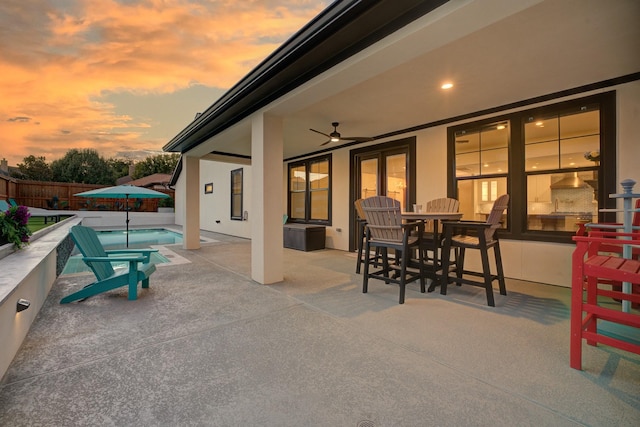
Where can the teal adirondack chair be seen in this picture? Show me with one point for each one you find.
(3, 206)
(99, 260)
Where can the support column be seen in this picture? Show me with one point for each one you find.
(266, 199)
(191, 206)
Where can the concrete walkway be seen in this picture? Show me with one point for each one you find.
(207, 346)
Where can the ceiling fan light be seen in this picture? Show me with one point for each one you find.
(335, 139)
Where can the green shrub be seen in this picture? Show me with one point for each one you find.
(13, 226)
(166, 202)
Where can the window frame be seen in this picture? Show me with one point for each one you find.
(307, 191)
(517, 174)
(241, 194)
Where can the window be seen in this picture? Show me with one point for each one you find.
(482, 163)
(552, 160)
(568, 145)
(310, 190)
(236, 194)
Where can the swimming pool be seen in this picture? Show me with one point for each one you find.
(143, 238)
(116, 239)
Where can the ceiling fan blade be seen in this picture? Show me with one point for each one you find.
(357, 138)
(336, 137)
(321, 133)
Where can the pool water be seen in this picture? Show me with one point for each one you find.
(116, 239)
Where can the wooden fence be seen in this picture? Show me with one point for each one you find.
(60, 195)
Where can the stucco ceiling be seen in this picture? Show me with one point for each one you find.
(496, 52)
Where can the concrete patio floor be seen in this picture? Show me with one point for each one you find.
(207, 346)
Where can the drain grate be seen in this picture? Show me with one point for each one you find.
(366, 423)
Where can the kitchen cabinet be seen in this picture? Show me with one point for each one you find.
(539, 188)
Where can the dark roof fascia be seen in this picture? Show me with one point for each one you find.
(176, 173)
(339, 32)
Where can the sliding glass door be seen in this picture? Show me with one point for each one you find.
(385, 169)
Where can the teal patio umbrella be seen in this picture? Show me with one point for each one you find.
(123, 192)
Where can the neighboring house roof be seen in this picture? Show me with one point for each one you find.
(11, 173)
(340, 31)
(160, 179)
(124, 180)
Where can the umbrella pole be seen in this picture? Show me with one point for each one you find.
(126, 209)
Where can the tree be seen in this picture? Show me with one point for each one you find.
(160, 163)
(119, 167)
(82, 166)
(35, 168)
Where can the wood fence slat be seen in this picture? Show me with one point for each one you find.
(36, 194)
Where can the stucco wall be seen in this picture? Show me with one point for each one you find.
(216, 206)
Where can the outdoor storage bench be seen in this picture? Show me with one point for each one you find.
(304, 237)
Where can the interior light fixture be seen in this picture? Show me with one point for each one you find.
(540, 124)
(500, 127)
(335, 139)
(22, 305)
(447, 85)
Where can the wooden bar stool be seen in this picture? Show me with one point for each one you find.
(484, 238)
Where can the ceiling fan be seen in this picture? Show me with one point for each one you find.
(336, 137)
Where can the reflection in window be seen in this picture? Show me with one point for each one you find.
(560, 141)
(396, 173)
(483, 150)
(319, 190)
(369, 177)
(297, 191)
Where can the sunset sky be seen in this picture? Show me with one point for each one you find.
(125, 76)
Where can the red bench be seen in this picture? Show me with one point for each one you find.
(591, 267)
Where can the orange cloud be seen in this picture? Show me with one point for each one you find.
(58, 64)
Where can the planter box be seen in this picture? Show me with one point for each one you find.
(304, 237)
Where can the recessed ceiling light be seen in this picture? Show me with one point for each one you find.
(447, 85)
(500, 127)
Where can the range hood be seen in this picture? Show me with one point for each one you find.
(570, 181)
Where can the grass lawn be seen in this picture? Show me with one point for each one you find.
(37, 223)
